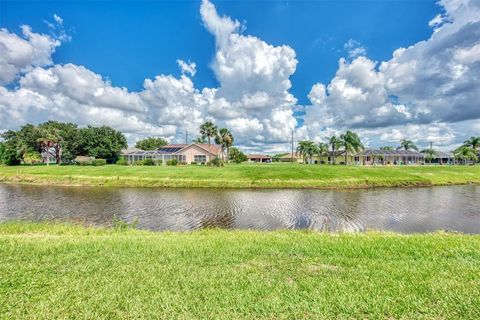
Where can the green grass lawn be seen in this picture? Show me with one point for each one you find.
(244, 176)
(54, 271)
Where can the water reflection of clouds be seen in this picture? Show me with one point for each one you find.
(401, 210)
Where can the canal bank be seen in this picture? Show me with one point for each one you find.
(276, 175)
(63, 271)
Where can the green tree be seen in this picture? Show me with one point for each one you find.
(236, 155)
(407, 145)
(50, 139)
(101, 142)
(430, 154)
(351, 143)
(335, 144)
(307, 149)
(208, 130)
(466, 153)
(151, 143)
(225, 139)
(387, 148)
(67, 147)
(2, 151)
(31, 157)
(199, 139)
(473, 142)
(322, 149)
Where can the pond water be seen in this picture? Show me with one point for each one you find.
(452, 208)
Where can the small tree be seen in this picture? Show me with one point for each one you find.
(151, 143)
(236, 155)
(31, 157)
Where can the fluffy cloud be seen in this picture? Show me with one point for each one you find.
(21, 54)
(426, 92)
(421, 89)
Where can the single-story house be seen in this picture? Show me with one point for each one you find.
(259, 158)
(441, 157)
(373, 156)
(291, 157)
(183, 153)
(399, 157)
(48, 157)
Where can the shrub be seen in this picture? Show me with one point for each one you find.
(83, 160)
(172, 162)
(216, 162)
(149, 162)
(31, 157)
(99, 162)
(193, 163)
(122, 162)
(138, 163)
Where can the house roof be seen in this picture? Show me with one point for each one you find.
(258, 156)
(289, 156)
(440, 154)
(395, 153)
(170, 149)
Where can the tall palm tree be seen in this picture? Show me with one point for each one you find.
(307, 149)
(322, 149)
(335, 144)
(225, 140)
(407, 145)
(351, 143)
(50, 138)
(208, 130)
(473, 142)
(466, 153)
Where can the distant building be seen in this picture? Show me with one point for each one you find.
(183, 153)
(259, 158)
(49, 157)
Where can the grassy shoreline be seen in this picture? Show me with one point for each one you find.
(243, 176)
(65, 271)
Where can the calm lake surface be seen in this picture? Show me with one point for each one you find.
(453, 208)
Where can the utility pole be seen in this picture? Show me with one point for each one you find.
(186, 137)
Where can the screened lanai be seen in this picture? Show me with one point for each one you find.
(163, 155)
(398, 157)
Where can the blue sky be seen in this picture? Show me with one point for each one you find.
(128, 41)
(386, 69)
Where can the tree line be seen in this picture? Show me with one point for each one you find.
(63, 141)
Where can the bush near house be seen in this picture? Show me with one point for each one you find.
(172, 162)
(83, 160)
(122, 162)
(99, 162)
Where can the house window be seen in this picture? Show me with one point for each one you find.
(200, 158)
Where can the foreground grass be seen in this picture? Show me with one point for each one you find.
(244, 176)
(54, 271)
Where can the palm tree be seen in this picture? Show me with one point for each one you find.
(407, 145)
(225, 140)
(208, 130)
(387, 148)
(466, 153)
(335, 144)
(473, 142)
(351, 143)
(430, 154)
(50, 138)
(322, 149)
(307, 149)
